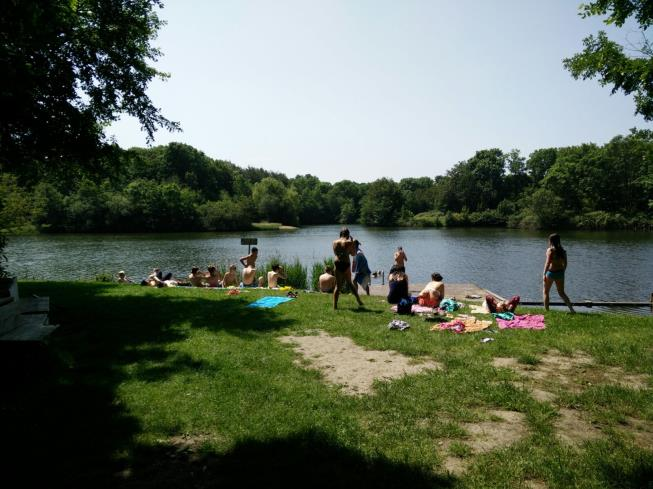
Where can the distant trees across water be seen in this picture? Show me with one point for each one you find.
(178, 188)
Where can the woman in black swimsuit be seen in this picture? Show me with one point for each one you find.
(343, 248)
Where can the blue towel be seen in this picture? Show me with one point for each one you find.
(269, 302)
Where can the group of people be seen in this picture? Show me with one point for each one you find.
(334, 278)
(433, 293)
(212, 276)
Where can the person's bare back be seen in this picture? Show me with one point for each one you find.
(400, 259)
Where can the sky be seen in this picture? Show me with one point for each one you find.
(365, 89)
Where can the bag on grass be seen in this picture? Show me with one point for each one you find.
(404, 307)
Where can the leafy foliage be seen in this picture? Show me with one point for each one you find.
(69, 68)
(606, 59)
(177, 188)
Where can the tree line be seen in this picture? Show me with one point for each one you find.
(178, 188)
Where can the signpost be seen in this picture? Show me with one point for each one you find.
(249, 242)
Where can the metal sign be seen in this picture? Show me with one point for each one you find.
(248, 241)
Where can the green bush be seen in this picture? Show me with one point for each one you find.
(104, 277)
(601, 220)
(296, 273)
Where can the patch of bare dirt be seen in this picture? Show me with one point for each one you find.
(573, 373)
(188, 442)
(502, 430)
(344, 363)
(573, 429)
(640, 431)
(535, 484)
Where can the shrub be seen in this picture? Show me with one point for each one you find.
(296, 273)
(104, 277)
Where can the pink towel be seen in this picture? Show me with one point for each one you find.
(527, 321)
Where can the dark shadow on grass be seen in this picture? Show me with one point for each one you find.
(304, 460)
(60, 417)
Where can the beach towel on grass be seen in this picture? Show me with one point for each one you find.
(527, 321)
(269, 302)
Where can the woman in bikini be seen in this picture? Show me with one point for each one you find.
(554, 271)
(343, 248)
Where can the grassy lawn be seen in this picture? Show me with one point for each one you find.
(145, 387)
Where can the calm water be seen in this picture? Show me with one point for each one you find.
(602, 266)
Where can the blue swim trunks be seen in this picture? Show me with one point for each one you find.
(253, 284)
(557, 275)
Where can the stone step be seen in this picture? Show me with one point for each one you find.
(8, 317)
(30, 327)
(34, 305)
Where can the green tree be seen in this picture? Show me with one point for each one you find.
(539, 162)
(381, 204)
(313, 205)
(606, 59)
(476, 184)
(15, 203)
(274, 202)
(68, 69)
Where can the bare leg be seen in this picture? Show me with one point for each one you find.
(560, 285)
(354, 289)
(336, 291)
(547, 288)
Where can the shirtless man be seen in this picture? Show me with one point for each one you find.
(433, 293)
(196, 278)
(275, 275)
(400, 260)
(213, 278)
(250, 260)
(230, 278)
(327, 280)
(343, 248)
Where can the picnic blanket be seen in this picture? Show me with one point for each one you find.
(463, 324)
(269, 302)
(527, 321)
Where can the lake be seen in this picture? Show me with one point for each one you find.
(602, 265)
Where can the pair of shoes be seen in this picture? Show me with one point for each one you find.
(292, 294)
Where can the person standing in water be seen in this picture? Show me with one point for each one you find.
(400, 260)
(343, 248)
(554, 271)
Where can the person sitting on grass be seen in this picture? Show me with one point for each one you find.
(196, 278)
(230, 278)
(501, 306)
(433, 293)
(249, 278)
(157, 279)
(213, 278)
(397, 286)
(123, 279)
(274, 275)
(327, 280)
